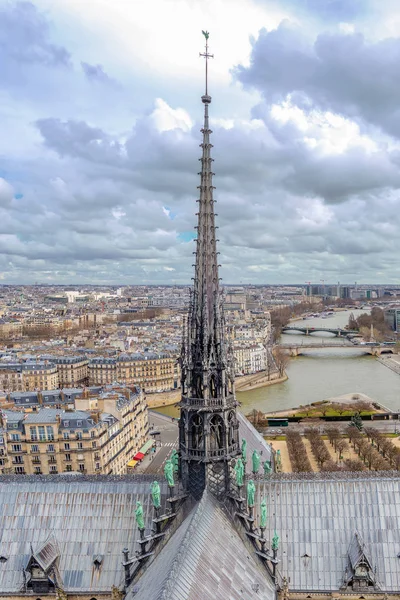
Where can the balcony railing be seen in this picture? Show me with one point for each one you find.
(209, 402)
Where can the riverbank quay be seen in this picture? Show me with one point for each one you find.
(258, 380)
(393, 363)
(350, 399)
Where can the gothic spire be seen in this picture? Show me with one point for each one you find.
(208, 428)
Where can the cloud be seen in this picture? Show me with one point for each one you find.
(307, 165)
(338, 72)
(25, 38)
(95, 73)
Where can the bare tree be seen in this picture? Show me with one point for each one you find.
(281, 360)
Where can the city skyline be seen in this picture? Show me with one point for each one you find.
(100, 141)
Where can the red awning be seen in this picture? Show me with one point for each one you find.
(138, 456)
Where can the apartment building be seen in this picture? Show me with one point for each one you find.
(29, 376)
(249, 358)
(153, 372)
(72, 370)
(99, 440)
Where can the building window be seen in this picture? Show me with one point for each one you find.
(53, 469)
(92, 434)
(42, 435)
(19, 470)
(38, 470)
(80, 445)
(50, 433)
(15, 437)
(66, 446)
(34, 448)
(68, 468)
(94, 444)
(66, 435)
(82, 466)
(79, 435)
(16, 448)
(33, 434)
(67, 457)
(50, 448)
(66, 423)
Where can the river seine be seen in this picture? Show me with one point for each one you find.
(326, 372)
(322, 373)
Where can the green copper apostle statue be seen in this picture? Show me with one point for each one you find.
(169, 473)
(175, 460)
(267, 467)
(275, 541)
(263, 515)
(251, 492)
(156, 494)
(139, 515)
(256, 461)
(244, 449)
(239, 472)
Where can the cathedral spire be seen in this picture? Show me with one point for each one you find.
(208, 433)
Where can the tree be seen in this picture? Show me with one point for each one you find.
(341, 446)
(281, 360)
(352, 324)
(356, 421)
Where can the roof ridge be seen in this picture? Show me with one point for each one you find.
(184, 548)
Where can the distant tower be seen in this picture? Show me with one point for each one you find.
(208, 426)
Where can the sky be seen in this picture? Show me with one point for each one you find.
(100, 118)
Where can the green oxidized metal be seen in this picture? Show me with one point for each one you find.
(244, 449)
(263, 515)
(156, 494)
(275, 541)
(251, 492)
(239, 472)
(139, 515)
(169, 472)
(256, 461)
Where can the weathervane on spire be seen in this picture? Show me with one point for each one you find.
(206, 55)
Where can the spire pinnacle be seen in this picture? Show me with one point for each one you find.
(206, 98)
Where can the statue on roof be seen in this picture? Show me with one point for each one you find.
(244, 449)
(267, 467)
(256, 461)
(156, 494)
(175, 460)
(275, 541)
(239, 472)
(139, 515)
(169, 473)
(263, 515)
(251, 492)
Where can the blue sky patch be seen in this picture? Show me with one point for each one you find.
(186, 236)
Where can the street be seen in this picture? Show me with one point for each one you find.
(168, 438)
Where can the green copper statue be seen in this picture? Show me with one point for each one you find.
(267, 467)
(156, 494)
(256, 461)
(244, 449)
(275, 541)
(239, 472)
(175, 460)
(169, 473)
(206, 34)
(251, 492)
(139, 515)
(263, 515)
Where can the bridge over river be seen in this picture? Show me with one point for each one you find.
(297, 349)
(308, 330)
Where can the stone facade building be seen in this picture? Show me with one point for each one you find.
(72, 370)
(153, 372)
(100, 437)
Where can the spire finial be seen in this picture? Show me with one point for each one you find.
(206, 55)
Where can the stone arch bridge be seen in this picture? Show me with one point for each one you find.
(307, 330)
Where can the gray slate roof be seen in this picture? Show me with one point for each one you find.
(319, 517)
(255, 441)
(81, 516)
(205, 559)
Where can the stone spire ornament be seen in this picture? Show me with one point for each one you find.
(208, 427)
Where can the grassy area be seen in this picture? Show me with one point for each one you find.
(330, 412)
